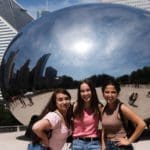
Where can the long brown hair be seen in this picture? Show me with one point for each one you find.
(78, 112)
(51, 105)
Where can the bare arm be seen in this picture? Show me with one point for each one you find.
(103, 139)
(137, 120)
(101, 108)
(39, 129)
(140, 124)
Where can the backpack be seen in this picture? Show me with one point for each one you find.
(128, 125)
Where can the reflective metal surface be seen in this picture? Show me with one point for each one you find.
(74, 43)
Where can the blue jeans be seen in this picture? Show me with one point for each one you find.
(111, 146)
(78, 144)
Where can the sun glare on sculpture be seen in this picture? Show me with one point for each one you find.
(82, 47)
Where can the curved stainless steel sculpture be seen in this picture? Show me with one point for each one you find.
(74, 43)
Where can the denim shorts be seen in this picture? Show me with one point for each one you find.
(111, 146)
(78, 144)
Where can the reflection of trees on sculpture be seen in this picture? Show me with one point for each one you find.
(68, 82)
(140, 76)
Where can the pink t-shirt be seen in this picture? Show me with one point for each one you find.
(59, 133)
(86, 127)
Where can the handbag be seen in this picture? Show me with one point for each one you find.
(32, 146)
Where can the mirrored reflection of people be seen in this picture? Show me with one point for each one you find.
(114, 136)
(132, 98)
(20, 98)
(148, 94)
(86, 118)
(29, 95)
(55, 118)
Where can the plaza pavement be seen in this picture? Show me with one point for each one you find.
(10, 141)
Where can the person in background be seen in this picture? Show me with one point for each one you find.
(148, 94)
(114, 135)
(132, 98)
(86, 117)
(54, 118)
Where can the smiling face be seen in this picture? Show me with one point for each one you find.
(62, 102)
(85, 92)
(110, 94)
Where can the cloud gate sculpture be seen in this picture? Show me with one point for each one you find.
(70, 44)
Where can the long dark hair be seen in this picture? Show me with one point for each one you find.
(78, 112)
(113, 82)
(51, 105)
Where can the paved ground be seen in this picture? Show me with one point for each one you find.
(12, 141)
(9, 141)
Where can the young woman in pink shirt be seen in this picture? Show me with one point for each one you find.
(54, 118)
(86, 118)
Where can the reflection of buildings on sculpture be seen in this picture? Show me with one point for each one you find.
(50, 72)
(37, 73)
(143, 4)
(12, 18)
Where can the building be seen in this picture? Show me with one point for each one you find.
(143, 4)
(41, 13)
(12, 18)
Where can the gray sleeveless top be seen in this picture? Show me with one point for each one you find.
(113, 125)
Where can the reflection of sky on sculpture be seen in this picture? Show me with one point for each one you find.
(115, 43)
(107, 39)
(51, 5)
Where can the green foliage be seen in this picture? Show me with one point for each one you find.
(140, 76)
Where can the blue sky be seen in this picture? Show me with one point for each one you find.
(32, 6)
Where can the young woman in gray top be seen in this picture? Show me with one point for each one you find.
(114, 134)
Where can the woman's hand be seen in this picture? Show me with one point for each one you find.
(46, 147)
(103, 147)
(122, 141)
